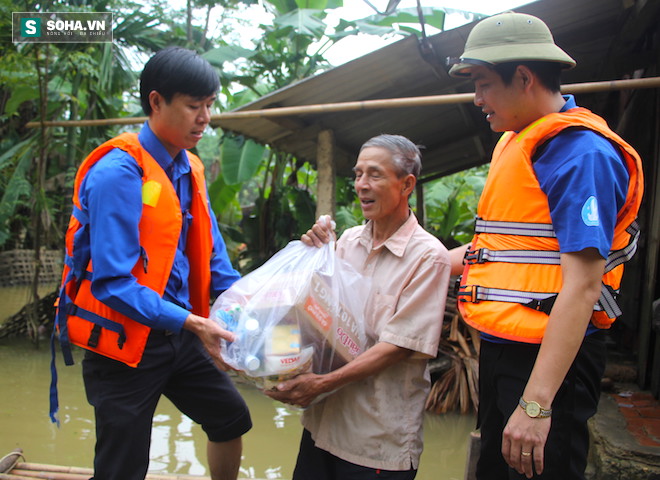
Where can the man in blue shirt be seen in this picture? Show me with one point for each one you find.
(538, 279)
(181, 358)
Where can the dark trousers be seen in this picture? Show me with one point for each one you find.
(125, 399)
(316, 464)
(503, 373)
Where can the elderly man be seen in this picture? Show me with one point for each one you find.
(556, 221)
(371, 426)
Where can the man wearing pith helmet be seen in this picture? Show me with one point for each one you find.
(540, 278)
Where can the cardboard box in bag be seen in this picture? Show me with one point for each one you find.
(330, 318)
(323, 321)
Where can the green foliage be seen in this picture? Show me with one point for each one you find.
(434, 17)
(302, 21)
(403, 21)
(276, 205)
(15, 166)
(239, 161)
(348, 213)
(275, 211)
(223, 199)
(451, 205)
(227, 53)
(286, 6)
(240, 158)
(68, 82)
(21, 93)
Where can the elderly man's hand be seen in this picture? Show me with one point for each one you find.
(301, 390)
(323, 231)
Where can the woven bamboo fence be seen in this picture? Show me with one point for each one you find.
(17, 267)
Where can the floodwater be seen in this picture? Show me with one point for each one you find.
(178, 445)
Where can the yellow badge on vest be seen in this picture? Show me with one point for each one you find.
(151, 193)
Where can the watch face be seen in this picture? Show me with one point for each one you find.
(533, 409)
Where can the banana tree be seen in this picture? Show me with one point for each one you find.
(451, 205)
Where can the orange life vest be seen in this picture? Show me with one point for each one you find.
(85, 321)
(512, 271)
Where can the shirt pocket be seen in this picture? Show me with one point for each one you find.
(187, 219)
(383, 308)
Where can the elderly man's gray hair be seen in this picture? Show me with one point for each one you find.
(405, 154)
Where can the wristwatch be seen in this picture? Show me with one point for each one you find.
(533, 409)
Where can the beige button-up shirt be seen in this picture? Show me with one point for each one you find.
(377, 422)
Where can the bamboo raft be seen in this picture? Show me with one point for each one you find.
(12, 468)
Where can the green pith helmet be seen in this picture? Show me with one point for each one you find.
(509, 37)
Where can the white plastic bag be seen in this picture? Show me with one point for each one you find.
(302, 311)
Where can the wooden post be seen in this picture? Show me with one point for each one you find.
(325, 165)
(474, 444)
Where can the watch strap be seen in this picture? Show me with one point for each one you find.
(543, 413)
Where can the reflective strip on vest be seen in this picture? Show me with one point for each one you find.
(541, 302)
(623, 255)
(544, 257)
(515, 228)
(482, 255)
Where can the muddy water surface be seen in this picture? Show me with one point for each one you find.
(178, 445)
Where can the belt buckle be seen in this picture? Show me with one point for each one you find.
(469, 290)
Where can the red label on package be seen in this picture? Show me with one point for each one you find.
(315, 310)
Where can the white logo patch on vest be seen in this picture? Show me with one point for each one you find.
(590, 212)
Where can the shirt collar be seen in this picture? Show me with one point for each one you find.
(397, 242)
(174, 167)
(570, 103)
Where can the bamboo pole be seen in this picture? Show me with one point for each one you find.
(42, 471)
(48, 475)
(431, 100)
(9, 476)
(53, 468)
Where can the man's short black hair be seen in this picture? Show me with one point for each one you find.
(549, 73)
(177, 70)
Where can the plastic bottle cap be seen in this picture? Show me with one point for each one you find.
(252, 363)
(252, 325)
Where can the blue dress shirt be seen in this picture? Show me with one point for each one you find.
(586, 181)
(111, 194)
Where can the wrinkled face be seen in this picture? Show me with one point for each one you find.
(381, 191)
(500, 103)
(180, 123)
